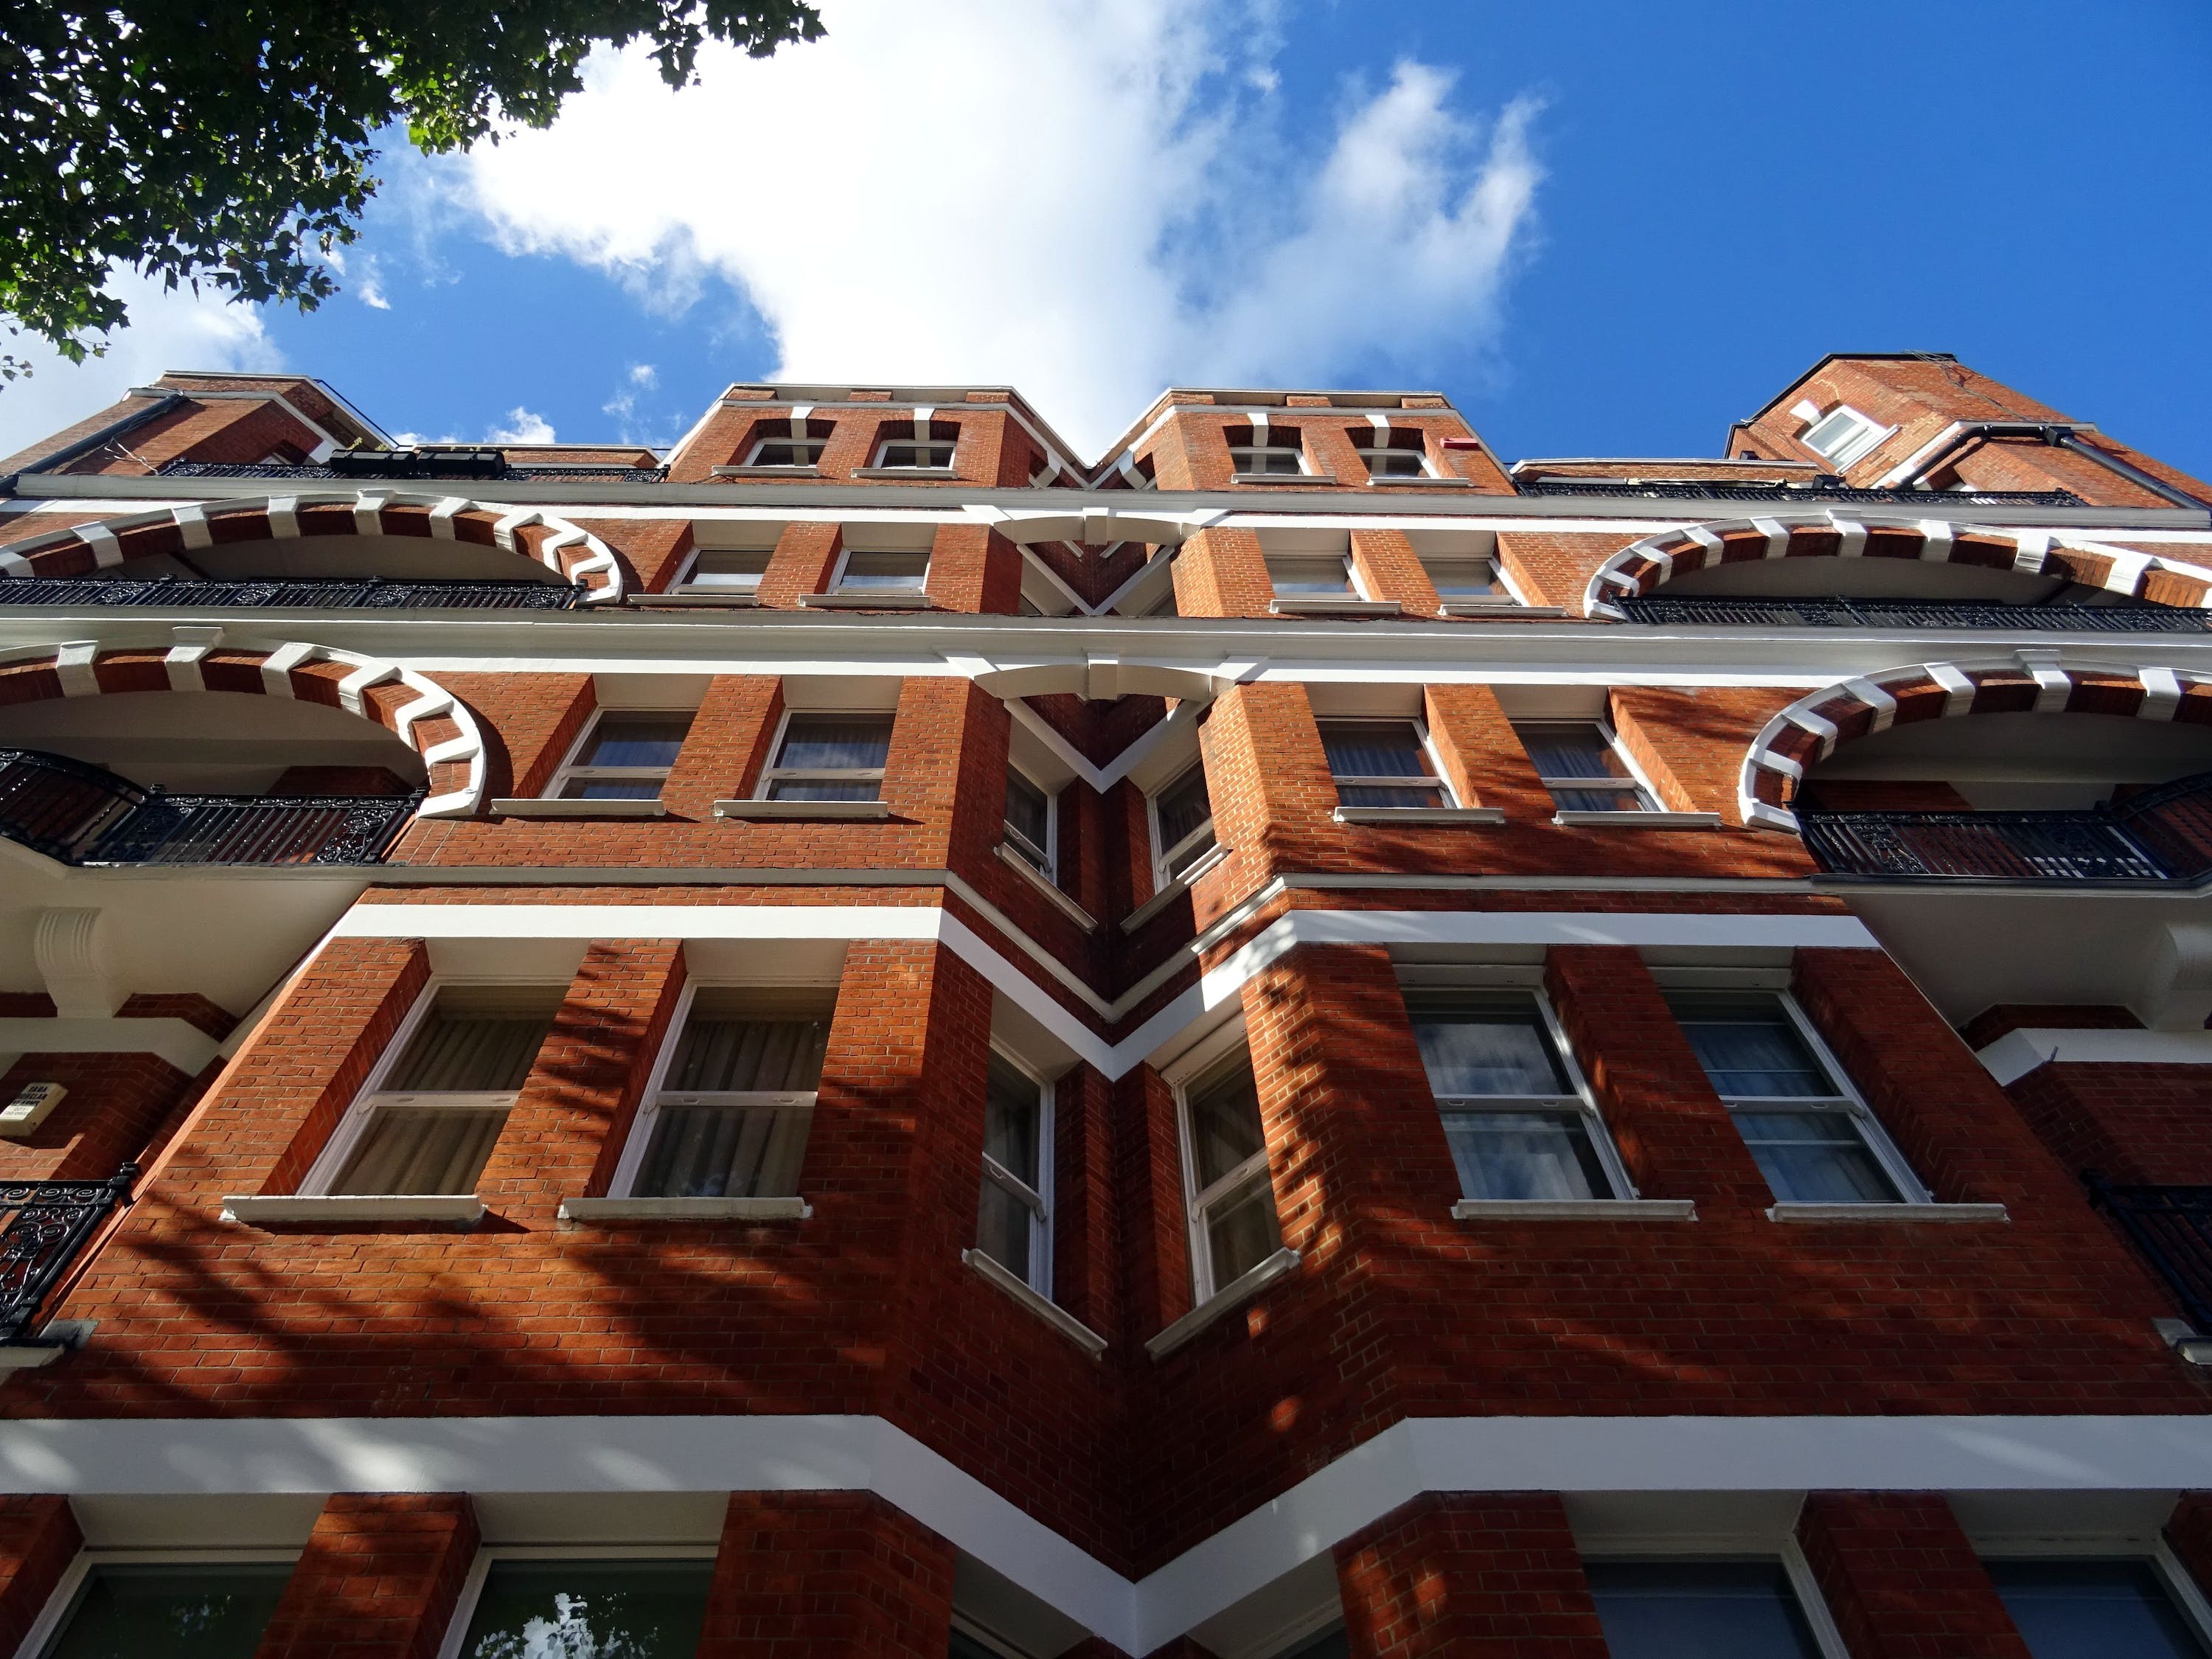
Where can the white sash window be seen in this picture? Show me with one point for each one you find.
(1226, 1187)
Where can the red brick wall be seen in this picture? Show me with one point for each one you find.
(1901, 1580)
(378, 1580)
(2128, 1122)
(1469, 1575)
(114, 1105)
(39, 1538)
(827, 1576)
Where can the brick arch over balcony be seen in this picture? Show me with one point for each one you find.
(88, 549)
(1649, 564)
(419, 712)
(1815, 727)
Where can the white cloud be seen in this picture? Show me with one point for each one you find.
(168, 330)
(522, 428)
(1087, 202)
(644, 375)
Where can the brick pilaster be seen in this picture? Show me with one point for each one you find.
(1469, 1575)
(378, 1580)
(827, 1576)
(1220, 573)
(1901, 1580)
(39, 1538)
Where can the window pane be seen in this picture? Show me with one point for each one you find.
(2093, 1610)
(1241, 1231)
(422, 1151)
(589, 1610)
(611, 789)
(722, 1053)
(1224, 1118)
(635, 740)
(1571, 749)
(724, 1151)
(1487, 1046)
(1002, 1229)
(1391, 794)
(1834, 433)
(1268, 461)
(1029, 812)
(1396, 464)
(1698, 1610)
(786, 453)
(1182, 807)
(1012, 1106)
(1815, 1158)
(836, 742)
(208, 1610)
(1323, 574)
(457, 1051)
(1525, 1155)
(1751, 1048)
(737, 573)
(1375, 749)
(835, 789)
(900, 572)
(1462, 579)
(1334, 1645)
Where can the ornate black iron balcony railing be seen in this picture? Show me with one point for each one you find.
(1704, 490)
(2172, 1227)
(2162, 836)
(83, 815)
(1834, 611)
(371, 594)
(47, 1225)
(400, 465)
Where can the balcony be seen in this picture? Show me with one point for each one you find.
(1837, 611)
(371, 594)
(2162, 835)
(82, 814)
(2171, 1228)
(435, 464)
(1825, 490)
(48, 1223)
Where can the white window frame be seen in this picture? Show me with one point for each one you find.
(1435, 780)
(1787, 1551)
(1238, 455)
(817, 444)
(339, 1148)
(1503, 592)
(473, 1587)
(1868, 435)
(1647, 797)
(1038, 1202)
(1581, 1101)
(573, 769)
(1198, 1203)
(772, 772)
(1378, 443)
(1909, 1190)
(2189, 1601)
(1353, 588)
(49, 1623)
(949, 445)
(1162, 875)
(657, 1094)
(1050, 850)
(845, 558)
(690, 583)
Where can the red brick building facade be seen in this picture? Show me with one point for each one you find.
(871, 1038)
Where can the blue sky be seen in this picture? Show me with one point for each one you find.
(1602, 228)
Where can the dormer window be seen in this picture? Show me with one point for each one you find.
(916, 454)
(1393, 455)
(1311, 576)
(787, 452)
(1843, 436)
(1267, 453)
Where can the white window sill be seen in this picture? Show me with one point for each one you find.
(1637, 820)
(1226, 1300)
(1424, 483)
(1067, 906)
(802, 809)
(255, 1209)
(684, 1209)
(1499, 607)
(895, 473)
(1574, 1209)
(1887, 1213)
(549, 807)
(1166, 895)
(1322, 605)
(1045, 1309)
(767, 472)
(889, 599)
(1284, 478)
(717, 598)
(1463, 817)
